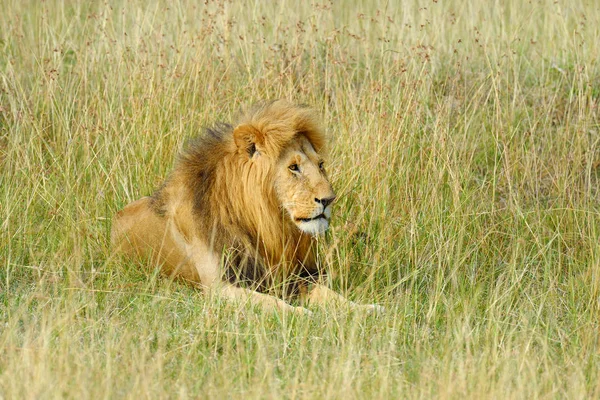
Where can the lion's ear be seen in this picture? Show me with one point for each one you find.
(248, 139)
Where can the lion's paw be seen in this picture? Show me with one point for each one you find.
(374, 309)
(302, 311)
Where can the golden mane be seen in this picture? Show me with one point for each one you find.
(234, 202)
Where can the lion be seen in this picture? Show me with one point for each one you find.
(241, 212)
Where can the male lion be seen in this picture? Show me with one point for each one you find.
(240, 211)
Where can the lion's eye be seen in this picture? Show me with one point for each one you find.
(321, 165)
(294, 168)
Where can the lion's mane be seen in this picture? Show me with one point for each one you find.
(234, 202)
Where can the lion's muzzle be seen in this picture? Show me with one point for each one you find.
(318, 223)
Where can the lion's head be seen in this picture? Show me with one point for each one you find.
(302, 186)
(282, 144)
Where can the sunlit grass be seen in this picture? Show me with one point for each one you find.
(465, 153)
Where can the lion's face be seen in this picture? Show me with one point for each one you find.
(303, 188)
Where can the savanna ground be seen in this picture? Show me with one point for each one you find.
(466, 157)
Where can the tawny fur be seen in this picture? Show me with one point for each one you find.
(240, 209)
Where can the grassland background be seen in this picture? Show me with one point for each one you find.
(465, 153)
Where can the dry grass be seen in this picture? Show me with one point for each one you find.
(466, 156)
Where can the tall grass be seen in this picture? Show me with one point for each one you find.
(465, 153)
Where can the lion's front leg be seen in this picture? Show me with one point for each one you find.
(321, 295)
(264, 300)
(209, 269)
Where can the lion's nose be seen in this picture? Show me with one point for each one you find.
(326, 201)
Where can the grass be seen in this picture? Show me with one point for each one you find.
(465, 153)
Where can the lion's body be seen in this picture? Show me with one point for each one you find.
(143, 234)
(240, 210)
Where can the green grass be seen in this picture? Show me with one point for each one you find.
(465, 153)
